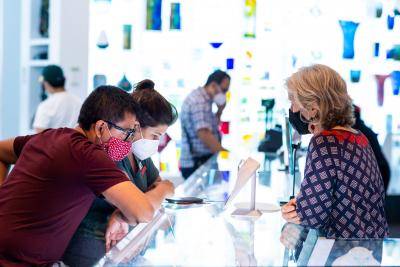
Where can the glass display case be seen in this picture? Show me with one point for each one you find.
(208, 235)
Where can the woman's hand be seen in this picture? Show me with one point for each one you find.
(289, 212)
(116, 230)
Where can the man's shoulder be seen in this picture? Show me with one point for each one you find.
(72, 97)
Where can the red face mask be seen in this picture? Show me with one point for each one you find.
(117, 149)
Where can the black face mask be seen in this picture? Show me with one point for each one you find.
(295, 120)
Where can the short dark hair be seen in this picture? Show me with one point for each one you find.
(217, 76)
(156, 110)
(54, 75)
(107, 103)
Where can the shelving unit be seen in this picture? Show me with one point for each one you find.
(66, 44)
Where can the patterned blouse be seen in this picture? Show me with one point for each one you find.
(342, 193)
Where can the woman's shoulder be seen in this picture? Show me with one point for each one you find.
(341, 136)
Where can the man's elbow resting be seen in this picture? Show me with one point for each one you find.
(145, 215)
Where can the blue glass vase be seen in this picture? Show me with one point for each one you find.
(175, 18)
(153, 15)
(390, 22)
(355, 76)
(376, 49)
(349, 30)
(380, 82)
(395, 75)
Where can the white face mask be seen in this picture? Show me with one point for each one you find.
(219, 99)
(145, 148)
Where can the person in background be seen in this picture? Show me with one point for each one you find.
(342, 193)
(376, 147)
(60, 109)
(200, 132)
(97, 234)
(58, 174)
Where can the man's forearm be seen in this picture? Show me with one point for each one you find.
(156, 196)
(210, 140)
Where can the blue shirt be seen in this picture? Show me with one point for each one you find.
(196, 114)
(342, 193)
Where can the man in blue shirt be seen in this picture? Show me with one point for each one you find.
(200, 132)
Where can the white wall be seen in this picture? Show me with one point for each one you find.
(10, 85)
(74, 45)
(1, 64)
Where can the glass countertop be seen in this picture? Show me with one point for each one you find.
(208, 234)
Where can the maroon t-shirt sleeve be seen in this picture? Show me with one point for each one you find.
(19, 143)
(101, 172)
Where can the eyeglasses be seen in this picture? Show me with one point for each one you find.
(129, 133)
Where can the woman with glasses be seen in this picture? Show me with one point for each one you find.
(102, 228)
(59, 173)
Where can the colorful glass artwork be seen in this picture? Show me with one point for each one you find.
(124, 84)
(230, 63)
(216, 45)
(349, 29)
(153, 15)
(355, 76)
(224, 127)
(393, 53)
(294, 61)
(250, 8)
(102, 41)
(175, 17)
(376, 49)
(380, 82)
(127, 36)
(164, 141)
(395, 76)
(390, 22)
(98, 80)
(378, 10)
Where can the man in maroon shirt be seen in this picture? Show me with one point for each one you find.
(57, 175)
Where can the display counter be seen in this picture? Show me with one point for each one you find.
(208, 235)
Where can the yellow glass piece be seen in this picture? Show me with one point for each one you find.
(228, 96)
(247, 137)
(249, 54)
(224, 154)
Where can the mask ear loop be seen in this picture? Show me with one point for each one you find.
(108, 129)
(303, 119)
(140, 130)
(101, 142)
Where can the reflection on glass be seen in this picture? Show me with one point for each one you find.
(349, 30)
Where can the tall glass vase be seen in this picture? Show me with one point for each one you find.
(380, 82)
(395, 75)
(349, 29)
